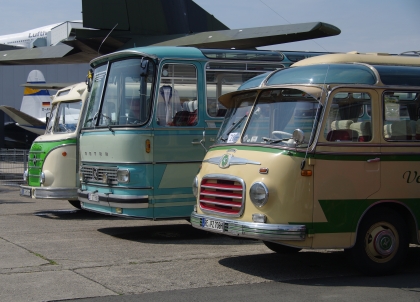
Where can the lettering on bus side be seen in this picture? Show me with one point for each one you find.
(412, 176)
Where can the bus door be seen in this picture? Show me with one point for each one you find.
(178, 137)
(347, 163)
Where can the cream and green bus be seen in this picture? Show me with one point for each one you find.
(322, 155)
(53, 157)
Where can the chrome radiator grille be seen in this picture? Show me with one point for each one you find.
(99, 174)
(222, 195)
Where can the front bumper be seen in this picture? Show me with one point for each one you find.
(262, 231)
(114, 200)
(48, 193)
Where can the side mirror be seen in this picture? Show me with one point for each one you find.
(47, 118)
(144, 70)
(89, 79)
(298, 136)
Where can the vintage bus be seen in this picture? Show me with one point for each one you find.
(52, 163)
(322, 155)
(151, 115)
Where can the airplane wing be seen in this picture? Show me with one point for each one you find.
(24, 120)
(111, 25)
(9, 47)
(55, 86)
(248, 38)
(16, 137)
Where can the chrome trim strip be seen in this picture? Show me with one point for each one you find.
(55, 193)
(128, 205)
(232, 161)
(115, 200)
(253, 230)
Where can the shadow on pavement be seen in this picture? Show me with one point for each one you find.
(176, 233)
(73, 214)
(307, 267)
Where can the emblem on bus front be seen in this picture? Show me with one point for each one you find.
(95, 173)
(225, 161)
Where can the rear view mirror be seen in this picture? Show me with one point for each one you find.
(89, 79)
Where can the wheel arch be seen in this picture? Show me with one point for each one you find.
(396, 206)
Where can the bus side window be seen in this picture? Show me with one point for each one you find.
(348, 120)
(177, 103)
(401, 120)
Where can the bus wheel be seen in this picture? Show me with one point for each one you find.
(281, 249)
(75, 203)
(381, 243)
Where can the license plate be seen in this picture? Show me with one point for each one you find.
(212, 224)
(25, 192)
(93, 197)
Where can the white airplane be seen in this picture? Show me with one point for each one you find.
(37, 37)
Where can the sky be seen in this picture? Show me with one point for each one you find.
(390, 26)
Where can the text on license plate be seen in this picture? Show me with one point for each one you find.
(93, 197)
(212, 224)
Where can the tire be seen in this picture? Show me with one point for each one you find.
(75, 203)
(381, 244)
(280, 248)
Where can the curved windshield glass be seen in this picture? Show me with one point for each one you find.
(95, 96)
(126, 94)
(278, 113)
(235, 118)
(254, 82)
(51, 120)
(68, 117)
(324, 74)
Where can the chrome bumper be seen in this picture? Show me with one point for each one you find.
(48, 193)
(114, 200)
(262, 231)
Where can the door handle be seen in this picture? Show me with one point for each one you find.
(374, 160)
(201, 142)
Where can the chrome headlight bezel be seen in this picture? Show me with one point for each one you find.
(195, 186)
(123, 176)
(258, 193)
(42, 178)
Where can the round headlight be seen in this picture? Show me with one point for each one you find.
(195, 186)
(258, 194)
(42, 180)
(25, 176)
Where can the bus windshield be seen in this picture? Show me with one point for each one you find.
(124, 96)
(273, 118)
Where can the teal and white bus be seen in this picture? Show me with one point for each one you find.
(151, 114)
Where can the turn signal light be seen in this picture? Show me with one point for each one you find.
(147, 146)
(64, 153)
(306, 172)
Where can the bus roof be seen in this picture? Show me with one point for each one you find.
(71, 93)
(369, 58)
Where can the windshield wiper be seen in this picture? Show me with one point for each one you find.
(233, 127)
(273, 140)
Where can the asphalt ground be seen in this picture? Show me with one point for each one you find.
(50, 251)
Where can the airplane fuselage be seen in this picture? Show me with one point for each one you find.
(27, 39)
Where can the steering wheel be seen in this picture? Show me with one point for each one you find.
(281, 134)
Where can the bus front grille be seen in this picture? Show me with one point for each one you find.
(99, 174)
(224, 195)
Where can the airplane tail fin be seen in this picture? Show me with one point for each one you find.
(36, 102)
